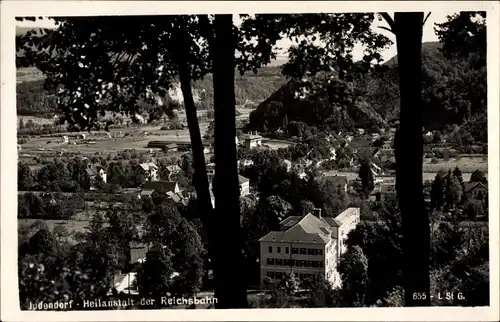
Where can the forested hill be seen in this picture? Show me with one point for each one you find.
(251, 89)
(431, 48)
(453, 94)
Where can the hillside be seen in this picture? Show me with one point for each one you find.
(251, 89)
(453, 94)
(431, 47)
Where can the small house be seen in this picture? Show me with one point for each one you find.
(161, 187)
(172, 170)
(94, 173)
(476, 190)
(244, 185)
(172, 147)
(253, 140)
(150, 171)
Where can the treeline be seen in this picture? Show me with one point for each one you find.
(33, 100)
(70, 175)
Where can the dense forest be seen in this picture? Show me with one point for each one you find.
(454, 94)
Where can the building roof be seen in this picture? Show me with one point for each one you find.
(242, 179)
(146, 192)
(332, 221)
(171, 146)
(468, 186)
(148, 165)
(309, 230)
(159, 186)
(173, 167)
(93, 169)
(344, 215)
(253, 137)
(176, 197)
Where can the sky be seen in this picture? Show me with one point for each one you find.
(428, 34)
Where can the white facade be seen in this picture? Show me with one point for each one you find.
(306, 246)
(304, 260)
(244, 186)
(103, 175)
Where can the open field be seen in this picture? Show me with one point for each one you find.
(427, 176)
(465, 164)
(137, 139)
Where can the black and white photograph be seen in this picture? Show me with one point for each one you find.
(246, 160)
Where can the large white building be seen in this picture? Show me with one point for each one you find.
(307, 246)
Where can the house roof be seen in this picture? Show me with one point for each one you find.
(253, 137)
(147, 192)
(176, 197)
(160, 186)
(148, 165)
(93, 169)
(332, 221)
(242, 179)
(171, 146)
(344, 215)
(309, 230)
(468, 186)
(173, 167)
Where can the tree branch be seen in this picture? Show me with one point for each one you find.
(426, 17)
(389, 21)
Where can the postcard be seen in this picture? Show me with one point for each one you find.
(249, 160)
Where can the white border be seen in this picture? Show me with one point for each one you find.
(10, 303)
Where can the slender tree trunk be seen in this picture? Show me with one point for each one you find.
(200, 179)
(231, 292)
(409, 159)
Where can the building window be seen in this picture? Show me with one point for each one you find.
(278, 262)
(303, 251)
(302, 263)
(295, 250)
(286, 262)
(296, 262)
(310, 251)
(279, 250)
(319, 252)
(287, 250)
(320, 263)
(270, 274)
(311, 264)
(270, 249)
(270, 261)
(279, 275)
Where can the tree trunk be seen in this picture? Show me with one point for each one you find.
(409, 159)
(231, 290)
(200, 179)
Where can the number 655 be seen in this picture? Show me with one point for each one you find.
(419, 296)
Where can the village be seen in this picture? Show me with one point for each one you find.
(159, 167)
